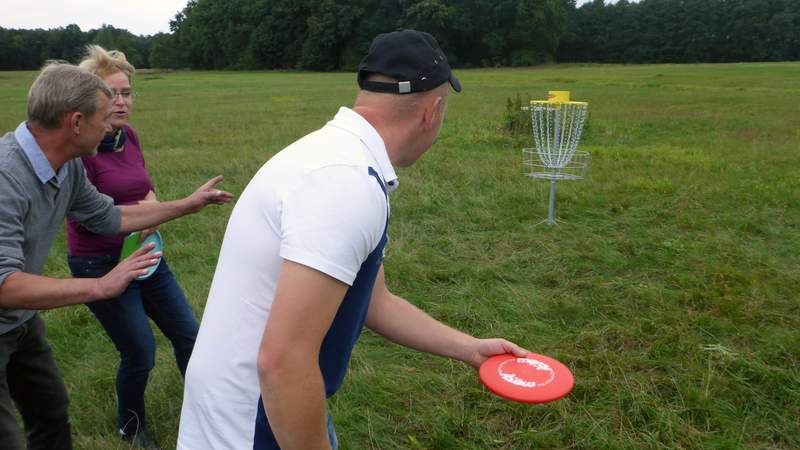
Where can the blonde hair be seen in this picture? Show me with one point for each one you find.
(103, 63)
(61, 88)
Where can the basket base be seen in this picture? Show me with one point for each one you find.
(549, 222)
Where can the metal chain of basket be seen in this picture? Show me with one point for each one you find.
(557, 124)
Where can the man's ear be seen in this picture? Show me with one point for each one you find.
(74, 121)
(433, 112)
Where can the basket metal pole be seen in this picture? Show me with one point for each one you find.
(550, 220)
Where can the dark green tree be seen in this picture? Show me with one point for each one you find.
(8, 59)
(164, 52)
(331, 29)
(277, 41)
(67, 43)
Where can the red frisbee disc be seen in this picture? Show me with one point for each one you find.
(532, 379)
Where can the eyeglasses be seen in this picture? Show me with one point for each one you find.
(125, 93)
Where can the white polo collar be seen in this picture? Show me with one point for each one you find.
(352, 122)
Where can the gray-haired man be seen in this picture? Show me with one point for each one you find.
(42, 182)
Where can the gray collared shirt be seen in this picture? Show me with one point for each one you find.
(34, 200)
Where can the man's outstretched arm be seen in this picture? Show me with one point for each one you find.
(401, 322)
(22, 290)
(149, 214)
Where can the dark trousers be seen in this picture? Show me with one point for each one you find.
(125, 320)
(31, 380)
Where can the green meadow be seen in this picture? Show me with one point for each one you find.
(670, 286)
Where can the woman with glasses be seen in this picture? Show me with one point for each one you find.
(118, 170)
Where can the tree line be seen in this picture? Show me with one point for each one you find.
(682, 31)
(334, 34)
(29, 49)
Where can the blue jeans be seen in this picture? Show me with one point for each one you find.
(125, 319)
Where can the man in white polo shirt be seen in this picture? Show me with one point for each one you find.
(300, 270)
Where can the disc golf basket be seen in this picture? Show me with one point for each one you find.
(557, 126)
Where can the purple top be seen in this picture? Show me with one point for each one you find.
(120, 175)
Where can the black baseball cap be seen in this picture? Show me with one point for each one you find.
(412, 57)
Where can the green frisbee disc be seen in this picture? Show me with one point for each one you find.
(131, 244)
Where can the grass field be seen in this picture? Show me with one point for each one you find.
(670, 289)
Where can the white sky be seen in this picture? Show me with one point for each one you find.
(140, 17)
(137, 16)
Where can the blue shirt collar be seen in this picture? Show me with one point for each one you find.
(36, 156)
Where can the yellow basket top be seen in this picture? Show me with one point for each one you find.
(560, 97)
(550, 102)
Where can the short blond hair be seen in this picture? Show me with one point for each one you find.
(103, 63)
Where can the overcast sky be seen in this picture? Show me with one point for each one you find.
(137, 16)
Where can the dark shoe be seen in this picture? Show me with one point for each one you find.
(141, 440)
